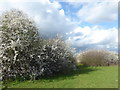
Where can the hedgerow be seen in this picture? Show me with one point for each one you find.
(23, 54)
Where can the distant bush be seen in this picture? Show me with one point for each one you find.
(97, 58)
(24, 55)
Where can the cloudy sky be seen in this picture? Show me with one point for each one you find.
(86, 24)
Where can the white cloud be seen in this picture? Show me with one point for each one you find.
(56, 5)
(62, 12)
(51, 19)
(94, 37)
(49, 16)
(98, 12)
(86, 0)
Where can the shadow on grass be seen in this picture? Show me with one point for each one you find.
(81, 69)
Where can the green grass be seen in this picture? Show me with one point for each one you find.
(84, 77)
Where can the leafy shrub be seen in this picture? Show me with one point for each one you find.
(24, 55)
(97, 58)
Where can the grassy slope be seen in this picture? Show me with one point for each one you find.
(84, 77)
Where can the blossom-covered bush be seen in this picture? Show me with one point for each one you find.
(97, 58)
(17, 35)
(23, 54)
(54, 57)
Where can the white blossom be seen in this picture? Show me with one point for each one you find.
(24, 54)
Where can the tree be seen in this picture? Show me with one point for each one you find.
(18, 36)
(23, 54)
(54, 57)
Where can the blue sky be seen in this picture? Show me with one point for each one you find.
(85, 25)
(70, 10)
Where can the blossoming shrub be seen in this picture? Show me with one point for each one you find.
(17, 33)
(97, 58)
(54, 57)
(23, 54)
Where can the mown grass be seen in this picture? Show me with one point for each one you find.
(84, 77)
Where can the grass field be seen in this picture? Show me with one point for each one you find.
(84, 77)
